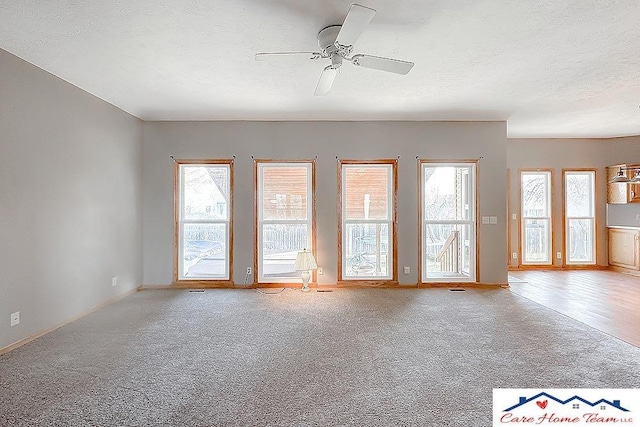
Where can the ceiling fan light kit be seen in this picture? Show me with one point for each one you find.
(336, 44)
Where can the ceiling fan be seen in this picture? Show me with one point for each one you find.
(336, 43)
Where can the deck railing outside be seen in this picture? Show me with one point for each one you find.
(448, 255)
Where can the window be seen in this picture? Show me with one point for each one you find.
(536, 217)
(579, 221)
(367, 220)
(285, 215)
(204, 237)
(448, 222)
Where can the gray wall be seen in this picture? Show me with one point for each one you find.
(557, 154)
(70, 200)
(623, 215)
(326, 140)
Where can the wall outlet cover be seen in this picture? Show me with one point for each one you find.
(407, 270)
(320, 271)
(15, 318)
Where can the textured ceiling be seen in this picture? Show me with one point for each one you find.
(550, 68)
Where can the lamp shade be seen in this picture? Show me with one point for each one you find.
(305, 261)
(620, 178)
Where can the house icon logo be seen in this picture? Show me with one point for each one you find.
(542, 400)
(576, 407)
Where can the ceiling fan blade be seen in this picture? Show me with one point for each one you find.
(266, 56)
(354, 24)
(326, 80)
(382, 64)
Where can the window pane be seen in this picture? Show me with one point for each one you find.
(579, 195)
(284, 192)
(205, 192)
(446, 193)
(204, 252)
(447, 251)
(367, 250)
(448, 229)
(366, 192)
(580, 240)
(284, 218)
(536, 241)
(579, 202)
(280, 246)
(535, 191)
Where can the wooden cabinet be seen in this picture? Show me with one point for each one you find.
(624, 248)
(622, 192)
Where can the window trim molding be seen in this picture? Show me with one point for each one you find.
(552, 224)
(476, 163)
(255, 282)
(177, 282)
(394, 224)
(508, 222)
(565, 257)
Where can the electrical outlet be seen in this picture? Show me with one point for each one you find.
(514, 216)
(248, 271)
(407, 270)
(637, 216)
(320, 271)
(559, 255)
(114, 281)
(514, 255)
(15, 318)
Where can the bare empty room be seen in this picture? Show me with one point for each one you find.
(302, 213)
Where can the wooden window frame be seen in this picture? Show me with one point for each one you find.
(256, 218)
(552, 244)
(227, 282)
(420, 163)
(508, 224)
(394, 225)
(565, 235)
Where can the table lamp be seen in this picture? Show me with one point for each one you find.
(304, 263)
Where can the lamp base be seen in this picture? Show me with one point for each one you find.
(305, 280)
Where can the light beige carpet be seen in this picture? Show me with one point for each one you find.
(366, 357)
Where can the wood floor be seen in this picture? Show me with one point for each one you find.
(605, 300)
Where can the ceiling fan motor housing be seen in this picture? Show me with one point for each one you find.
(327, 39)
